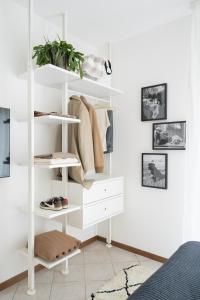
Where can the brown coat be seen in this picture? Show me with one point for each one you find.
(97, 142)
(81, 142)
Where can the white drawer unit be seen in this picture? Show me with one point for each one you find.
(102, 201)
(100, 211)
(102, 189)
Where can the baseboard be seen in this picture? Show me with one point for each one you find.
(89, 241)
(4, 285)
(135, 250)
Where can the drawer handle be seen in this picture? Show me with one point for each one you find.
(105, 208)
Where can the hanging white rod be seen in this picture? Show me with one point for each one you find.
(89, 96)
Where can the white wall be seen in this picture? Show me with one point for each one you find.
(13, 190)
(153, 218)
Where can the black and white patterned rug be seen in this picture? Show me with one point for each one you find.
(123, 284)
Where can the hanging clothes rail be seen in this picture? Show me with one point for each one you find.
(71, 92)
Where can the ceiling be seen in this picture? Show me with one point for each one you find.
(100, 21)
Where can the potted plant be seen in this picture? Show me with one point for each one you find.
(61, 54)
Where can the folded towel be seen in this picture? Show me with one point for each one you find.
(55, 158)
(56, 114)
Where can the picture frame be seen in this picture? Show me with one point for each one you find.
(154, 102)
(155, 170)
(169, 135)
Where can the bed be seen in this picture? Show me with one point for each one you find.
(177, 279)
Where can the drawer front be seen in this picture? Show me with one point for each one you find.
(114, 205)
(98, 212)
(103, 189)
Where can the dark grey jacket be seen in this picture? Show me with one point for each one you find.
(109, 133)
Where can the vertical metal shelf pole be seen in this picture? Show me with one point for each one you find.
(31, 179)
(110, 154)
(109, 234)
(65, 269)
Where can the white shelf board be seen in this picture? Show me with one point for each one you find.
(50, 120)
(49, 166)
(53, 76)
(49, 214)
(53, 166)
(93, 88)
(50, 264)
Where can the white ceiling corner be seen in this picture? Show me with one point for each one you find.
(99, 21)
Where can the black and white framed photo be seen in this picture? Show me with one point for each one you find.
(154, 170)
(169, 136)
(154, 102)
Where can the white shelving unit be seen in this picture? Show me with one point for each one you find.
(49, 214)
(55, 120)
(55, 77)
(55, 166)
(52, 120)
(50, 265)
(52, 76)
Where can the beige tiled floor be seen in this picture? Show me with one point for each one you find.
(88, 272)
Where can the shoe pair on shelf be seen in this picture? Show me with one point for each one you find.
(55, 203)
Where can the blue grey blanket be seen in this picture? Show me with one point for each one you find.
(177, 279)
